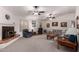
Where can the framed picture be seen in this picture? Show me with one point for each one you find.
(33, 23)
(77, 26)
(77, 17)
(63, 24)
(54, 23)
(48, 25)
(7, 16)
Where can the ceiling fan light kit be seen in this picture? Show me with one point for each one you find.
(36, 11)
(50, 17)
(36, 7)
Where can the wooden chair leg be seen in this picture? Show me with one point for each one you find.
(47, 37)
(76, 49)
(58, 46)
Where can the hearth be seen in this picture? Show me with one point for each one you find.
(7, 32)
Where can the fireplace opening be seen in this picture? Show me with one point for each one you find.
(7, 32)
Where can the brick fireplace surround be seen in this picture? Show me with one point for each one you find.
(10, 37)
(7, 32)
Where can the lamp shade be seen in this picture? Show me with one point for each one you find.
(71, 31)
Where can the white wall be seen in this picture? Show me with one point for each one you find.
(3, 12)
(29, 19)
(64, 18)
(13, 21)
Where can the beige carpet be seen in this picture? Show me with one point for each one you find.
(37, 43)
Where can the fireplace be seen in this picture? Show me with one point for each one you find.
(7, 32)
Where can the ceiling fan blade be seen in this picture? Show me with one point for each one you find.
(41, 11)
(39, 14)
(53, 17)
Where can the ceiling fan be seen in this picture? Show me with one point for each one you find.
(36, 10)
(51, 16)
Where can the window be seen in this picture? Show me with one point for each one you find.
(33, 23)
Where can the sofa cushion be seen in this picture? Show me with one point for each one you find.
(73, 38)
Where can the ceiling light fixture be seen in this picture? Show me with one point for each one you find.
(50, 17)
(36, 11)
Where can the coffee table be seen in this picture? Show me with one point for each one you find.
(51, 36)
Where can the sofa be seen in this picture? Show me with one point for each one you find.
(70, 41)
(26, 33)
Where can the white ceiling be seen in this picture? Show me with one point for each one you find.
(28, 10)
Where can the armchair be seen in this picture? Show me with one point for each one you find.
(26, 33)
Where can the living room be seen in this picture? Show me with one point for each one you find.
(41, 22)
